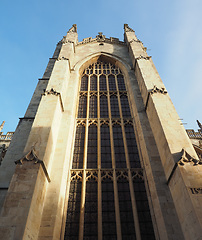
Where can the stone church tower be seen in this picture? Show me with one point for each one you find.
(100, 152)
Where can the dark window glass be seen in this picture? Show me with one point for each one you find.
(84, 83)
(93, 107)
(119, 147)
(126, 213)
(105, 147)
(90, 216)
(132, 147)
(82, 106)
(79, 147)
(93, 83)
(144, 216)
(108, 210)
(114, 106)
(121, 83)
(112, 83)
(103, 85)
(73, 210)
(125, 106)
(92, 147)
(103, 106)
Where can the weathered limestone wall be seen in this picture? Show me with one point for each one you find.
(164, 216)
(170, 138)
(42, 139)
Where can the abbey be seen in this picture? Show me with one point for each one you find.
(100, 152)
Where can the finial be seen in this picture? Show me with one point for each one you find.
(127, 28)
(100, 36)
(199, 124)
(1, 126)
(73, 29)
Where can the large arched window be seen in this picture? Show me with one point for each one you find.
(107, 196)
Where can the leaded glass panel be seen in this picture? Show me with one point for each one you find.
(91, 216)
(92, 147)
(145, 222)
(108, 210)
(119, 147)
(93, 106)
(79, 147)
(73, 210)
(82, 106)
(125, 207)
(104, 106)
(106, 161)
(84, 83)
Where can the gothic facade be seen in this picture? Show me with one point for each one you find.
(100, 152)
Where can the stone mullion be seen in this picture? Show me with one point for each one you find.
(116, 200)
(83, 191)
(134, 207)
(99, 165)
(99, 206)
(99, 135)
(117, 211)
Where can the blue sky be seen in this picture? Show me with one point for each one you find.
(171, 30)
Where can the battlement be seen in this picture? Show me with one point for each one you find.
(194, 135)
(6, 137)
(101, 38)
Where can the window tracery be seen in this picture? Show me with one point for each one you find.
(106, 171)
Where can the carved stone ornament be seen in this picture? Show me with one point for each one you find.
(52, 91)
(127, 28)
(73, 29)
(2, 125)
(100, 37)
(142, 57)
(158, 90)
(65, 40)
(62, 58)
(32, 157)
(3, 150)
(186, 158)
(134, 40)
